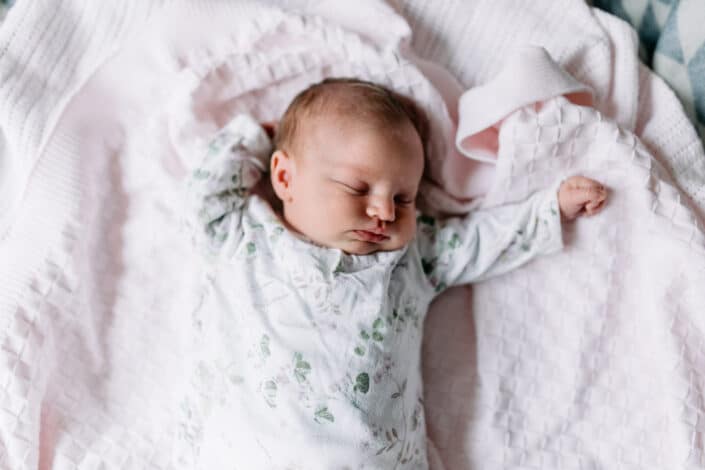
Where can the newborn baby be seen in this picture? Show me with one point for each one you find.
(308, 337)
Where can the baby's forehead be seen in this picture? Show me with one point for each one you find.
(353, 133)
(360, 149)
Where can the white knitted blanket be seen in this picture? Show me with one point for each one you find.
(590, 359)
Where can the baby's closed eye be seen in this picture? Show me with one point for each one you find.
(404, 200)
(356, 188)
(353, 188)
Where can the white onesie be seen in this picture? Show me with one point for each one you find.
(309, 358)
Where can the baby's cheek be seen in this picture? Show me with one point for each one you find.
(407, 224)
(354, 207)
(346, 209)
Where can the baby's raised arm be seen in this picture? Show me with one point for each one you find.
(217, 190)
(490, 242)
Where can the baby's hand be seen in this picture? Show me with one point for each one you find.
(579, 195)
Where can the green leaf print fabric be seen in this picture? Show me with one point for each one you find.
(490, 242)
(305, 357)
(217, 190)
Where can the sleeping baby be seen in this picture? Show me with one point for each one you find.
(308, 337)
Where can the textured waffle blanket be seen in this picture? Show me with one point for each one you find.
(590, 358)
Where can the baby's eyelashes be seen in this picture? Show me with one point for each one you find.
(357, 190)
(403, 200)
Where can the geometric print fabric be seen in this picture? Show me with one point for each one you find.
(4, 6)
(672, 43)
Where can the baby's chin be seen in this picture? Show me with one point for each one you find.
(361, 250)
(358, 247)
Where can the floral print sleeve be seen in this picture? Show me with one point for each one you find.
(489, 242)
(217, 190)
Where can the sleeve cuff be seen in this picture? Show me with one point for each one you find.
(550, 212)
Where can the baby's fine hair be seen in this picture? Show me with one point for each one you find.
(363, 101)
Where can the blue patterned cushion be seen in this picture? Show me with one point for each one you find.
(4, 5)
(672, 40)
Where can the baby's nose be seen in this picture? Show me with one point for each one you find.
(382, 208)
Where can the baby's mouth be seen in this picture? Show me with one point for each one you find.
(367, 236)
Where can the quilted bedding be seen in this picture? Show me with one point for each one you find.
(592, 358)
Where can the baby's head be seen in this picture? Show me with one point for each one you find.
(349, 160)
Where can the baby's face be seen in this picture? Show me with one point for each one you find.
(354, 188)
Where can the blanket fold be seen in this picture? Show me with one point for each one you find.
(529, 76)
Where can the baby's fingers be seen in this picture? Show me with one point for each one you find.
(595, 198)
(594, 207)
(580, 195)
(587, 190)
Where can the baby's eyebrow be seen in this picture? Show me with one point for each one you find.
(354, 170)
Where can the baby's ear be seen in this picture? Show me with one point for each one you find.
(281, 168)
